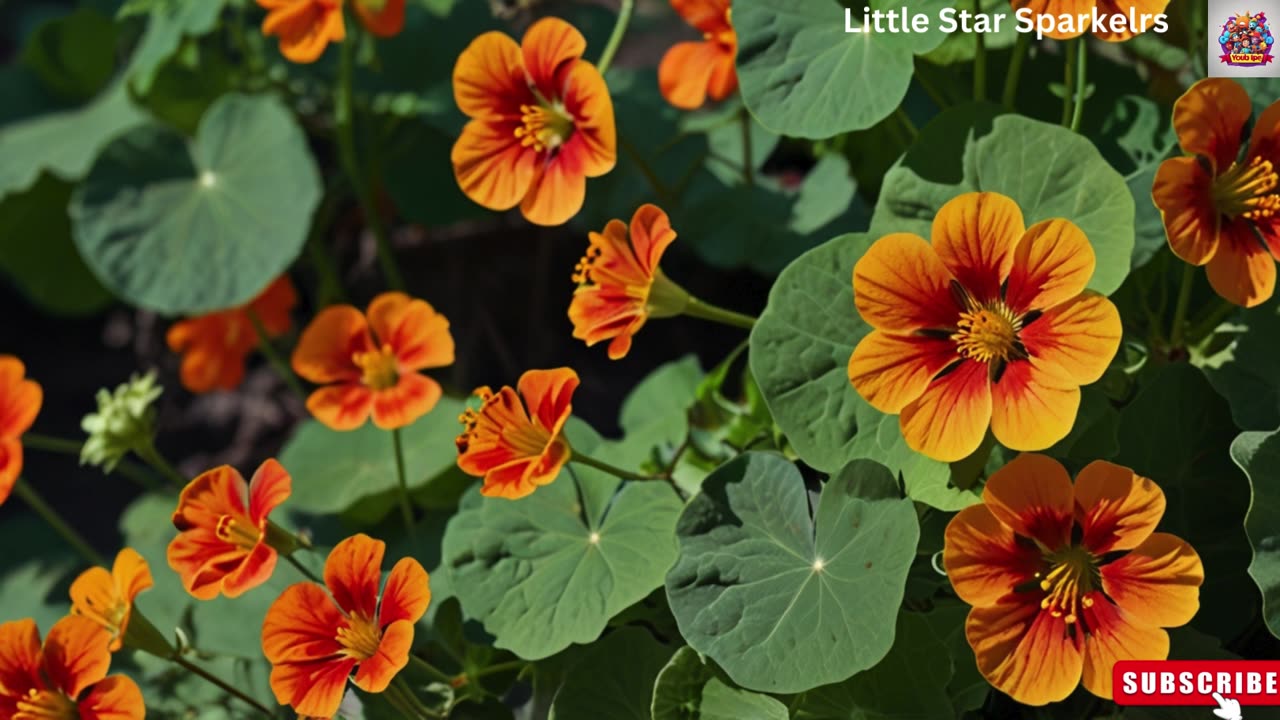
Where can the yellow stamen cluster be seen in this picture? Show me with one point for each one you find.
(582, 271)
(379, 368)
(470, 418)
(544, 127)
(48, 705)
(1071, 577)
(987, 333)
(242, 535)
(1247, 190)
(360, 638)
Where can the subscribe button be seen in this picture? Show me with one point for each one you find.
(1196, 682)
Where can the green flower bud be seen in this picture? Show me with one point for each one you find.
(124, 423)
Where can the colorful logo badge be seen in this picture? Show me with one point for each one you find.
(1246, 40)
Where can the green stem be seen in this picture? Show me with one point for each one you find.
(905, 121)
(748, 164)
(151, 456)
(344, 116)
(615, 39)
(273, 355)
(933, 91)
(303, 569)
(979, 60)
(501, 667)
(1069, 83)
(406, 507)
(699, 309)
(1082, 83)
(429, 669)
(664, 193)
(1016, 61)
(613, 469)
(1203, 327)
(1177, 334)
(411, 701)
(51, 517)
(46, 443)
(221, 684)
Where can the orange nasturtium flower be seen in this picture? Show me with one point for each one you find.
(516, 441)
(1219, 206)
(20, 401)
(314, 639)
(1067, 579)
(541, 122)
(106, 597)
(214, 346)
(1081, 20)
(306, 27)
(990, 325)
(690, 71)
(224, 544)
(369, 362)
(66, 678)
(620, 285)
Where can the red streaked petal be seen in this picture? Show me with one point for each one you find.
(595, 136)
(684, 76)
(1157, 582)
(76, 654)
(650, 236)
(1115, 635)
(1210, 118)
(115, 698)
(1033, 495)
(491, 166)
(353, 573)
(301, 626)
(1029, 408)
(489, 81)
(341, 407)
(402, 404)
(560, 187)
(418, 334)
(1242, 271)
(550, 48)
(1052, 264)
(19, 656)
(20, 399)
(1182, 191)
(327, 347)
(254, 570)
(270, 487)
(1024, 652)
(890, 371)
(376, 673)
(10, 466)
(387, 22)
(1073, 343)
(948, 421)
(549, 395)
(901, 286)
(407, 593)
(976, 235)
(1116, 508)
(983, 558)
(314, 689)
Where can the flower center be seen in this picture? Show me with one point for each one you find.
(545, 126)
(242, 535)
(379, 368)
(1247, 190)
(360, 638)
(1072, 574)
(987, 333)
(46, 704)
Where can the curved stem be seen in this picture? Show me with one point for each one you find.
(706, 311)
(1178, 332)
(1069, 82)
(501, 667)
(1082, 84)
(615, 39)
(221, 684)
(406, 507)
(613, 469)
(1020, 47)
(411, 701)
(51, 517)
(979, 60)
(303, 569)
(273, 355)
(429, 669)
(151, 456)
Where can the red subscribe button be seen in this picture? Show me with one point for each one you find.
(1196, 682)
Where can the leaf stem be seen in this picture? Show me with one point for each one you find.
(1202, 328)
(273, 355)
(221, 684)
(51, 517)
(303, 569)
(706, 311)
(615, 38)
(406, 507)
(1020, 46)
(1082, 84)
(151, 456)
(979, 60)
(1069, 82)
(501, 667)
(429, 669)
(613, 469)
(1178, 332)
(64, 446)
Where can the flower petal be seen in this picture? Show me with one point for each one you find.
(650, 236)
(353, 573)
(300, 626)
(550, 48)
(75, 654)
(510, 480)
(20, 399)
(419, 334)
(94, 596)
(709, 16)
(489, 81)
(10, 466)
(131, 574)
(976, 235)
(685, 73)
(202, 561)
(387, 22)
(409, 399)
(890, 371)
(1032, 494)
(1158, 581)
(314, 689)
(274, 305)
(305, 29)
(948, 421)
(1024, 652)
(900, 285)
(1052, 264)
(407, 593)
(376, 673)
(1243, 270)
(983, 558)
(549, 395)
(341, 407)
(606, 313)
(1029, 410)
(595, 136)
(271, 485)
(115, 698)
(559, 188)
(254, 569)
(211, 495)
(1182, 191)
(19, 656)
(1210, 118)
(491, 166)
(326, 348)
(1116, 508)
(1115, 635)
(1074, 342)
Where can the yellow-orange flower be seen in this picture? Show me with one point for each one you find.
(214, 346)
(541, 122)
(20, 401)
(65, 679)
(516, 441)
(690, 71)
(1065, 579)
(222, 545)
(306, 27)
(620, 285)
(369, 363)
(1112, 14)
(315, 639)
(990, 325)
(1219, 205)
(106, 597)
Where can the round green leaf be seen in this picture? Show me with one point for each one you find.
(1048, 170)
(552, 568)
(785, 602)
(1258, 454)
(614, 678)
(800, 352)
(184, 228)
(803, 75)
(688, 688)
(1248, 375)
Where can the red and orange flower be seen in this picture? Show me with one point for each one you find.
(541, 122)
(990, 325)
(1080, 18)
(306, 27)
(690, 71)
(64, 678)
(1219, 206)
(106, 597)
(223, 544)
(369, 363)
(214, 346)
(314, 639)
(516, 441)
(20, 401)
(620, 285)
(1065, 579)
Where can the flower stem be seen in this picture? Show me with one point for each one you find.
(406, 507)
(1082, 84)
(46, 443)
(1177, 334)
(1020, 47)
(979, 60)
(273, 355)
(344, 116)
(1069, 82)
(615, 39)
(699, 309)
(55, 521)
(411, 701)
(748, 164)
(303, 569)
(221, 684)
(613, 469)
(151, 456)
(429, 669)
(1205, 326)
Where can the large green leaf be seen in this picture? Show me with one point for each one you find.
(187, 228)
(655, 414)
(803, 75)
(170, 22)
(783, 601)
(800, 353)
(73, 55)
(1137, 136)
(1048, 170)
(1258, 454)
(1246, 372)
(551, 569)
(334, 470)
(689, 688)
(614, 679)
